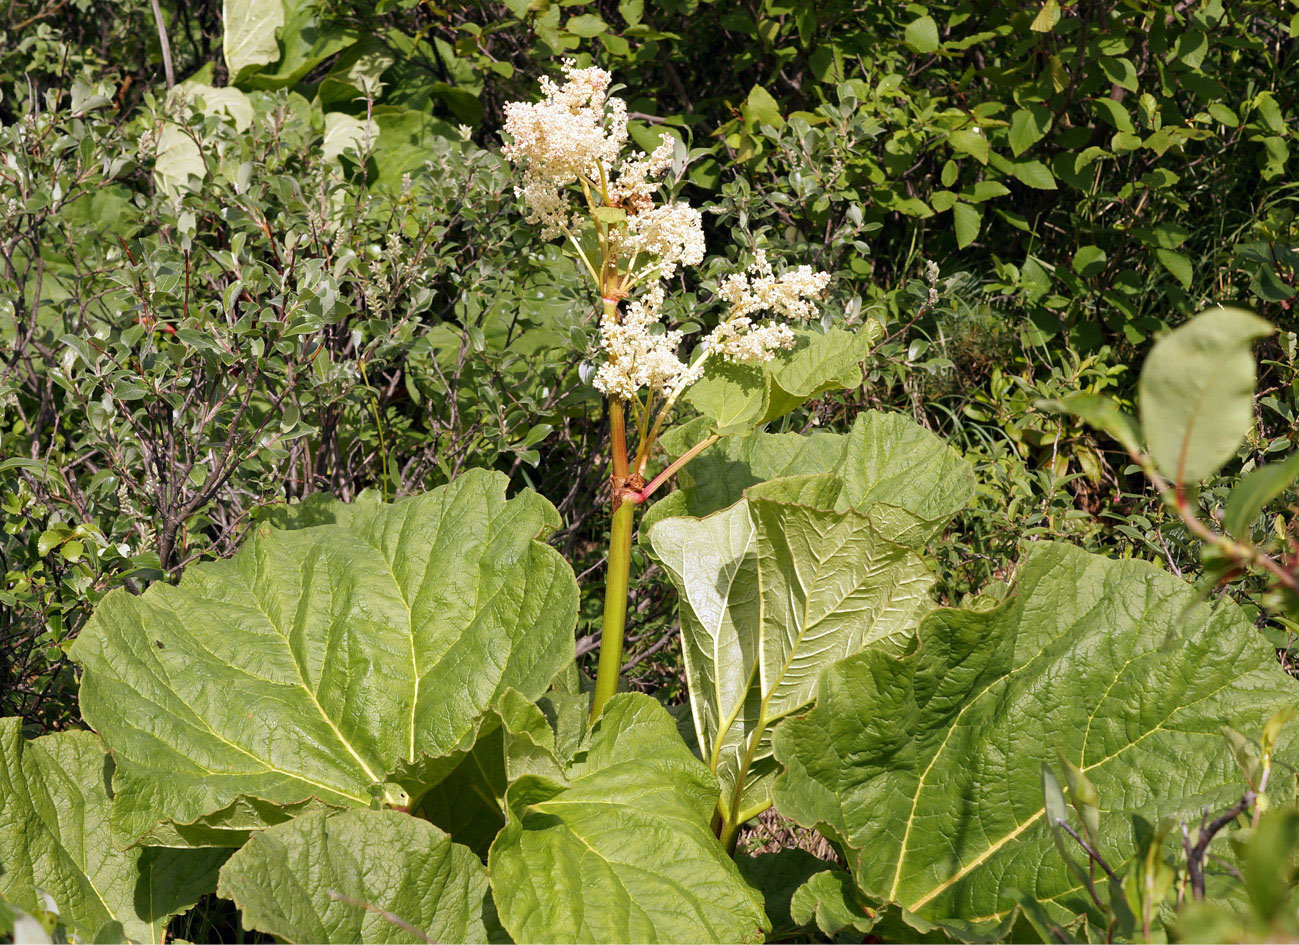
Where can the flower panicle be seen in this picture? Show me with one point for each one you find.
(572, 141)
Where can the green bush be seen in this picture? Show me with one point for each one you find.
(302, 478)
(205, 315)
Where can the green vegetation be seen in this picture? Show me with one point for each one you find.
(848, 495)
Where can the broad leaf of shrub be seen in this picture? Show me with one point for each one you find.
(308, 38)
(248, 39)
(771, 592)
(624, 851)
(1197, 392)
(310, 666)
(927, 769)
(1256, 490)
(54, 839)
(358, 876)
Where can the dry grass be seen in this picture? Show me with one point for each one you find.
(770, 832)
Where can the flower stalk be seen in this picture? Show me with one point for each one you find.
(578, 183)
(614, 623)
(618, 570)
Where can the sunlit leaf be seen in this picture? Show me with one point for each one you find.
(358, 876)
(927, 769)
(771, 591)
(623, 851)
(55, 842)
(319, 666)
(1197, 392)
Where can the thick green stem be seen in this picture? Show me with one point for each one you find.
(730, 833)
(618, 570)
(615, 607)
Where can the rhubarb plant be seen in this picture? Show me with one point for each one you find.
(581, 183)
(367, 724)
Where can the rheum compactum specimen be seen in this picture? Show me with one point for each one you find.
(582, 183)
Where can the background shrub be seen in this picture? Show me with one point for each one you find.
(305, 274)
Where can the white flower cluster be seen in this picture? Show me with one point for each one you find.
(640, 354)
(576, 131)
(637, 179)
(758, 290)
(575, 137)
(674, 233)
(738, 339)
(791, 294)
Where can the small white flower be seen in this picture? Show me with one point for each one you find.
(638, 357)
(637, 180)
(571, 142)
(576, 131)
(673, 232)
(931, 277)
(792, 294)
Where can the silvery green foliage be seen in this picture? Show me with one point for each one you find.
(214, 312)
(772, 591)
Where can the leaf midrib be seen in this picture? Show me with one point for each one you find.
(993, 848)
(204, 724)
(302, 681)
(920, 784)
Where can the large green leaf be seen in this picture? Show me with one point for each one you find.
(520, 738)
(315, 663)
(54, 840)
(249, 34)
(622, 852)
(345, 134)
(308, 37)
(405, 138)
(772, 591)
(909, 481)
(738, 397)
(354, 73)
(469, 802)
(358, 876)
(927, 769)
(829, 898)
(1197, 392)
(780, 876)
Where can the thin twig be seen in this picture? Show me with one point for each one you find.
(658, 645)
(1196, 856)
(1093, 854)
